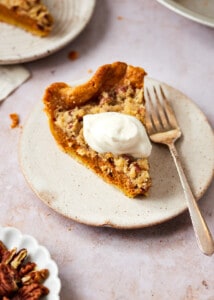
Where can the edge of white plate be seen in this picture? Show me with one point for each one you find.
(185, 12)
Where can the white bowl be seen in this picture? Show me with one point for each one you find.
(12, 237)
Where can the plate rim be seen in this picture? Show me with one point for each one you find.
(64, 41)
(111, 223)
(188, 13)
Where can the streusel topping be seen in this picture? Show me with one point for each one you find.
(123, 99)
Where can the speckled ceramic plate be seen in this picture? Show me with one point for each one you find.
(201, 11)
(70, 18)
(77, 193)
(12, 238)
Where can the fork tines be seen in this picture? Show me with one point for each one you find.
(160, 115)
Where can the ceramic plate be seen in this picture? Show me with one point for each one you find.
(12, 238)
(70, 16)
(77, 193)
(201, 11)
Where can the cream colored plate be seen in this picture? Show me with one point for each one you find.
(12, 238)
(70, 16)
(77, 193)
(201, 11)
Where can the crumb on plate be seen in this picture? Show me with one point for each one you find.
(15, 120)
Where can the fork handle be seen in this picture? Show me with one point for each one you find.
(202, 232)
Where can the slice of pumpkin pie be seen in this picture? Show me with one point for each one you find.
(31, 15)
(101, 124)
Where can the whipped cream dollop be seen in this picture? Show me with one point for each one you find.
(116, 133)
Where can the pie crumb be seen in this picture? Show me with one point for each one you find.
(15, 120)
(73, 55)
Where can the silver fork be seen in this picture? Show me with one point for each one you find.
(163, 128)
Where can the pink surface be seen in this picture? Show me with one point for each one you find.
(161, 262)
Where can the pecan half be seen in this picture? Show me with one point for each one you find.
(35, 277)
(27, 268)
(8, 280)
(31, 292)
(3, 249)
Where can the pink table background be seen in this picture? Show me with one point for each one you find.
(161, 262)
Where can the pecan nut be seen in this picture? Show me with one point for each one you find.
(32, 291)
(20, 280)
(8, 280)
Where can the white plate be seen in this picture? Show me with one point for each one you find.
(70, 17)
(12, 238)
(201, 11)
(77, 193)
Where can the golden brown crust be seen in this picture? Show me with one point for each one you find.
(30, 15)
(85, 98)
(106, 77)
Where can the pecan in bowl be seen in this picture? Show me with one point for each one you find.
(26, 270)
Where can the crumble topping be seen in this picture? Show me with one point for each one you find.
(122, 99)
